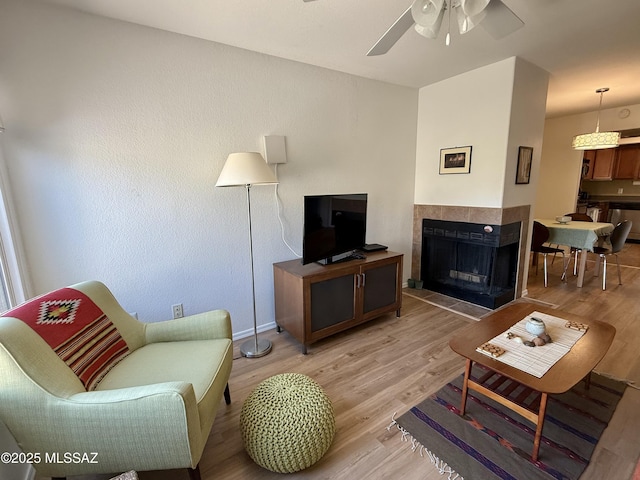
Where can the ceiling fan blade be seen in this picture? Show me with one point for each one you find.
(500, 20)
(392, 35)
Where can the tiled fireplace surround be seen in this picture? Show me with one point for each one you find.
(484, 215)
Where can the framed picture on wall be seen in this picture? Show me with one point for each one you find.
(455, 160)
(523, 173)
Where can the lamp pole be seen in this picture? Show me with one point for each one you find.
(253, 348)
(247, 169)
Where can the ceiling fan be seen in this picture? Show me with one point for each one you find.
(427, 15)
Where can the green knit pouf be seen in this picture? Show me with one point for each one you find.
(287, 423)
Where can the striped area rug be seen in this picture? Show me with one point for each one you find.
(493, 442)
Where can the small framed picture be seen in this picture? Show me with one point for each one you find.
(523, 173)
(455, 160)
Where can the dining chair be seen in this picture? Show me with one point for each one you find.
(617, 238)
(577, 217)
(539, 237)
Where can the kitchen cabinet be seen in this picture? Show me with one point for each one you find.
(621, 163)
(588, 161)
(603, 164)
(314, 301)
(627, 162)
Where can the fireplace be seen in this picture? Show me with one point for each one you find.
(474, 262)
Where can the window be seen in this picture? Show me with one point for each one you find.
(12, 290)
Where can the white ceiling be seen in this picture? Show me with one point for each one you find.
(584, 44)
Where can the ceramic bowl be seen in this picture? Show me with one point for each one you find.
(535, 326)
(563, 219)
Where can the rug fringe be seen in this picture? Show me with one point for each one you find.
(441, 466)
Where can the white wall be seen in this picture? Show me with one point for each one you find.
(525, 129)
(495, 109)
(474, 109)
(560, 166)
(115, 136)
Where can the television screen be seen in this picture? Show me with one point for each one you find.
(334, 226)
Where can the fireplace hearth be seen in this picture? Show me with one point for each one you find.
(473, 262)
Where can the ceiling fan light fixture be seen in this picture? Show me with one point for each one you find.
(470, 13)
(428, 15)
(596, 140)
(466, 22)
(471, 8)
(428, 32)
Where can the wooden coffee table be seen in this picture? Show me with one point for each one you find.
(576, 365)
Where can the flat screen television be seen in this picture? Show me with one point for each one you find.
(334, 226)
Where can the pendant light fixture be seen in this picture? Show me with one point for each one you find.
(597, 139)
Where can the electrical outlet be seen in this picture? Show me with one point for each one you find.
(620, 190)
(177, 310)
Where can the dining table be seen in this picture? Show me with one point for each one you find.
(579, 235)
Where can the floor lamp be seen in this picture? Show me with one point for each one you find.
(248, 169)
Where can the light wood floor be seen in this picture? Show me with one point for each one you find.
(390, 364)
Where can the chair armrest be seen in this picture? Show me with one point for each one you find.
(203, 326)
(26, 359)
(125, 398)
(144, 427)
(160, 414)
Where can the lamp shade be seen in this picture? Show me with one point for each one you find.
(470, 13)
(471, 8)
(596, 140)
(245, 168)
(428, 16)
(427, 12)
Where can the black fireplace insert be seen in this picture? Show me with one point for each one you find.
(474, 262)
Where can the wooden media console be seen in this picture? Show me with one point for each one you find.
(314, 301)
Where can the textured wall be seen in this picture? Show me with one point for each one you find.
(116, 134)
(471, 109)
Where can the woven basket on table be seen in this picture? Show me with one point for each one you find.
(287, 423)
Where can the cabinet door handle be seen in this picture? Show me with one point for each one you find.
(360, 280)
(364, 277)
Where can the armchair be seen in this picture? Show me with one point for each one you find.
(151, 408)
